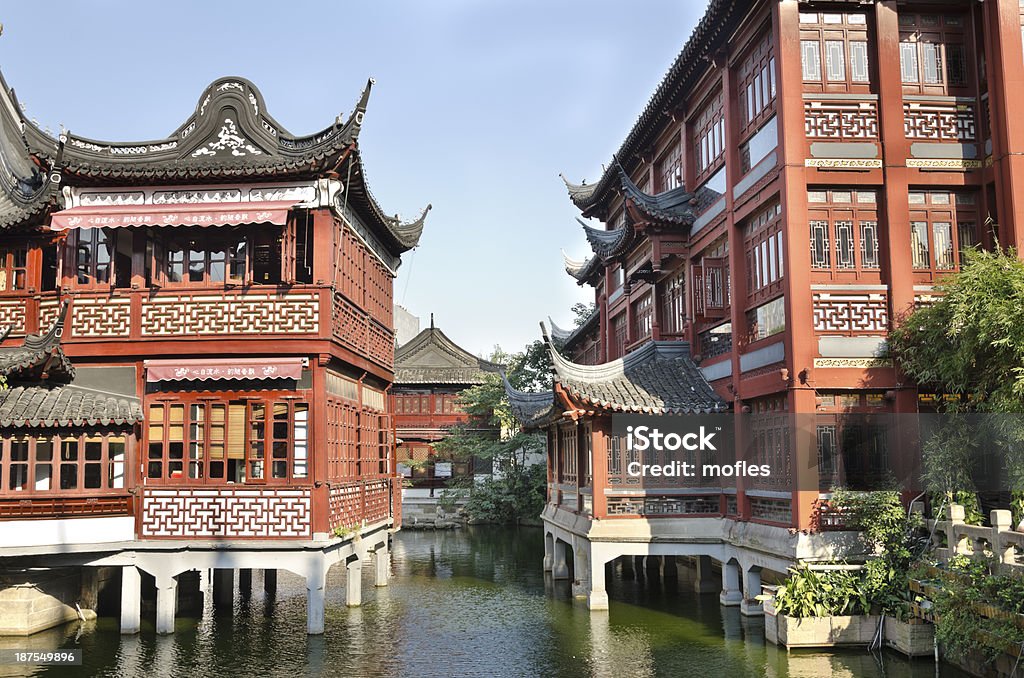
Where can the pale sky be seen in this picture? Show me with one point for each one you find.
(478, 106)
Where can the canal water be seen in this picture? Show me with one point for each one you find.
(470, 602)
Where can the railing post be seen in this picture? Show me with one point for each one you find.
(1002, 521)
(953, 541)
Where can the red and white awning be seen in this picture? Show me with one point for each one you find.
(185, 214)
(223, 368)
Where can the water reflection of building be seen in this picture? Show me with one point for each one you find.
(209, 390)
(802, 176)
(431, 371)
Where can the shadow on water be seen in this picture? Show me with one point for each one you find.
(470, 602)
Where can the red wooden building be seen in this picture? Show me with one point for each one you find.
(431, 371)
(221, 370)
(801, 178)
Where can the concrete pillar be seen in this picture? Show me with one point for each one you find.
(705, 580)
(190, 594)
(245, 582)
(270, 582)
(627, 568)
(638, 566)
(597, 595)
(751, 607)
(131, 599)
(382, 566)
(549, 552)
(223, 589)
(354, 584)
(732, 593)
(669, 571)
(560, 569)
(652, 568)
(315, 592)
(166, 603)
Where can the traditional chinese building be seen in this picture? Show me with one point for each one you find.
(431, 371)
(211, 389)
(801, 178)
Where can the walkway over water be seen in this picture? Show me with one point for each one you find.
(465, 603)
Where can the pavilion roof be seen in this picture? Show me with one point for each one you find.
(675, 206)
(47, 405)
(39, 356)
(530, 409)
(231, 136)
(718, 22)
(581, 270)
(657, 378)
(432, 358)
(26, 190)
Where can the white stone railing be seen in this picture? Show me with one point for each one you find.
(1001, 541)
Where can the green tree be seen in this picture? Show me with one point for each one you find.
(582, 312)
(970, 344)
(515, 491)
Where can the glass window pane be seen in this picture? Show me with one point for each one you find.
(835, 62)
(908, 62)
(932, 58)
(919, 244)
(859, 61)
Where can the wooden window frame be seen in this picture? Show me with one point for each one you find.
(672, 291)
(822, 29)
(709, 142)
(191, 426)
(31, 462)
(961, 212)
(668, 169)
(764, 254)
(9, 268)
(829, 210)
(936, 32)
(160, 261)
(755, 84)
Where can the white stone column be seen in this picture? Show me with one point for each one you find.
(549, 552)
(166, 603)
(732, 593)
(560, 569)
(705, 581)
(597, 596)
(751, 607)
(316, 586)
(354, 583)
(382, 565)
(131, 599)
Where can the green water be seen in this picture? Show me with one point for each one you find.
(470, 602)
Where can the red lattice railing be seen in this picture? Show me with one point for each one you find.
(352, 503)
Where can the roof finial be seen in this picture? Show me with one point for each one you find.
(431, 321)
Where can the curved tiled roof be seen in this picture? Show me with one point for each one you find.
(675, 206)
(657, 378)
(432, 358)
(530, 409)
(230, 135)
(611, 243)
(715, 26)
(48, 406)
(38, 351)
(26, 189)
(581, 270)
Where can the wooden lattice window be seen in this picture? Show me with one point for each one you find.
(763, 243)
(756, 83)
(668, 170)
(844, 229)
(934, 53)
(14, 268)
(709, 138)
(673, 303)
(643, 318)
(618, 327)
(91, 463)
(942, 224)
(834, 54)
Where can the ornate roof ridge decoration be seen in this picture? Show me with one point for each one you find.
(657, 378)
(557, 333)
(27, 189)
(589, 323)
(531, 409)
(581, 270)
(608, 244)
(675, 206)
(42, 352)
(715, 26)
(432, 358)
(47, 406)
(228, 136)
(580, 194)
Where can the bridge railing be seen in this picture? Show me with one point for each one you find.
(953, 536)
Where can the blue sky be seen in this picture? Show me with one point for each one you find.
(478, 106)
